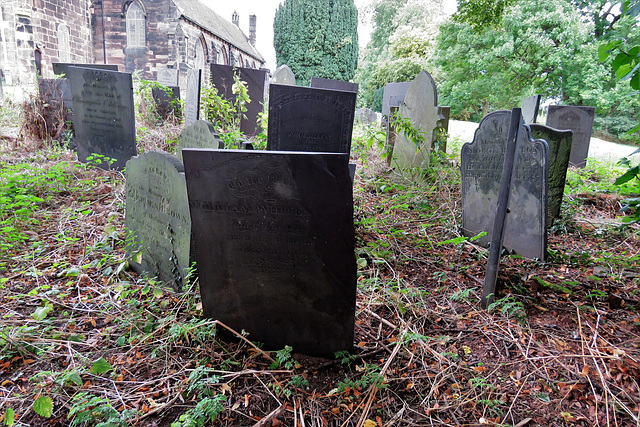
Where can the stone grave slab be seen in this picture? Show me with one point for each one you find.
(322, 83)
(192, 97)
(530, 107)
(310, 119)
(580, 121)
(53, 91)
(559, 142)
(167, 101)
(63, 67)
(222, 79)
(157, 213)
(366, 116)
(168, 77)
(481, 167)
(283, 76)
(103, 115)
(274, 243)
(393, 95)
(444, 113)
(200, 134)
(420, 106)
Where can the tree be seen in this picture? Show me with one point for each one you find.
(317, 38)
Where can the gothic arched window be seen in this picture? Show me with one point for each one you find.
(136, 23)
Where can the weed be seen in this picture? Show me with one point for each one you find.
(88, 409)
(509, 307)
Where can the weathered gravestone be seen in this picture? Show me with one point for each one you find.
(274, 243)
(167, 101)
(103, 116)
(393, 95)
(192, 97)
(530, 107)
(580, 121)
(256, 80)
(283, 76)
(310, 119)
(168, 77)
(366, 116)
(559, 142)
(444, 113)
(63, 67)
(321, 83)
(157, 213)
(482, 163)
(419, 106)
(200, 134)
(56, 97)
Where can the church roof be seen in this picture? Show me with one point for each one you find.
(206, 18)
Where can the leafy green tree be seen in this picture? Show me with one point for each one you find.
(317, 38)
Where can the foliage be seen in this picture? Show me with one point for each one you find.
(44, 116)
(631, 176)
(482, 14)
(226, 113)
(317, 38)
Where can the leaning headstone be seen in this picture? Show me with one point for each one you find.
(63, 67)
(321, 83)
(393, 95)
(366, 116)
(192, 98)
(530, 107)
(580, 121)
(283, 76)
(167, 101)
(157, 214)
(168, 77)
(256, 80)
(274, 243)
(559, 142)
(420, 106)
(200, 134)
(310, 119)
(482, 164)
(103, 116)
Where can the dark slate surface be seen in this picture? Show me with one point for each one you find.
(103, 114)
(559, 142)
(192, 97)
(274, 244)
(530, 107)
(322, 83)
(200, 134)
(310, 119)
(222, 79)
(57, 89)
(63, 67)
(167, 101)
(157, 212)
(393, 95)
(580, 121)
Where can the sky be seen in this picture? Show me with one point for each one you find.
(265, 11)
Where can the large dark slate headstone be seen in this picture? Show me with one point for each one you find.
(157, 213)
(63, 67)
(103, 115)
(481, 163)
(321, 83)
(192, 97)
(580, 121)
(310, 119)
(222, 79)
(200, 134)
(559, 142)
(530, 107)
(393, 95)
(274, 243)
(167, 101)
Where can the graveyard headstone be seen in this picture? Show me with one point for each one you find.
(200, 134)
(530, 107)
(55, 93)
(283, 76)
(157, 213)
(444, 113)
(192, 101)
(580, 121)
(322, 83)
(167, 101)
(168, 77)
(310, 119)
(103, 116)
(366, 116)
(559, 142)
(63, 67)
(393, 95)
(274, 244)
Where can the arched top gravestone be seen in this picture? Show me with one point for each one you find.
(200, 134)
(580, 121)
(283, 76)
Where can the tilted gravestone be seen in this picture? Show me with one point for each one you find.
(481, 166)
(256, 80)
(200, 134)
(530, 107)
(393, 95)
(283, 76)
(103, 116)
(559, 142)
(419, 106)
(167, 101)
(157, 213)
(310, 119)
(168, 77)
(580, 121)
(322, 83)
(274, 243)
(63, 67)
(192, 98)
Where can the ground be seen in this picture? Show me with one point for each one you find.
(85, 341)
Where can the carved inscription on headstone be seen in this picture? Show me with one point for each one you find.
(310, 119)
(157, 213)
(274, 245)
(580, 121)
(200, 134)
(192, 102)
(103, 115)
(168, 77)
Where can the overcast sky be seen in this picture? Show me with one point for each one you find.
(265, 11)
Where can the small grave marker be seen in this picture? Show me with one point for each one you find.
(393, 95)
(580, 121)
(168, 77)
(283, 76)
(200, 134)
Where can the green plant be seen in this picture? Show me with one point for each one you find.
(88, 409)
(631, 177)
(509, 307)
(206, 411)
(226, 114)
(283, 359)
